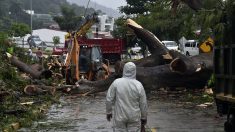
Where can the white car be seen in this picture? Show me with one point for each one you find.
(17, 40)
(135, 50)
(35, 41)
(171, 45)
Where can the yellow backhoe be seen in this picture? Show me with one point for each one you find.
(84, 60)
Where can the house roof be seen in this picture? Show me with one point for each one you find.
(48, 34)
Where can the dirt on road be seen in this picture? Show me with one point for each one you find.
(173, 112)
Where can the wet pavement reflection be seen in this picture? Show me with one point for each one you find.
(87, 114)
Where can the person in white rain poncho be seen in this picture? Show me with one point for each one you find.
(128, 97)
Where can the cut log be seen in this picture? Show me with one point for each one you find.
(188, 65)
(155, 46)
(159, 52)
(35, 71)
(39, 89)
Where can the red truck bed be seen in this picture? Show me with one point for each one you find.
(107, 45)
(111, 48)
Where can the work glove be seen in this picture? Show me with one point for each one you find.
(143, 122)
(109, 117)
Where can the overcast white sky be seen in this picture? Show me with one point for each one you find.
(111, 3)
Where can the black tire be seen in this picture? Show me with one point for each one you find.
(187, 53)
(229, 125)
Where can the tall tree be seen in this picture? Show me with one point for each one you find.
(136, 6)
(167, 25)
(68, 21)
(17, 13)
(19, 29)
(171, 19)
(3, 8)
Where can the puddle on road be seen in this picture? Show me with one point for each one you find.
(87, 114)
(74, 114)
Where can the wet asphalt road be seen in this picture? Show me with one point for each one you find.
(87, 114)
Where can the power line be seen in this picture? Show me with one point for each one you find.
(86, 7)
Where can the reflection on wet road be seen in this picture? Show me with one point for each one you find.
(87, 114)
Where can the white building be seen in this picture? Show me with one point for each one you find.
(29, 12)
(47, 35)
(105, 25)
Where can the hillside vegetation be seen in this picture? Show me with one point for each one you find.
(12, 11)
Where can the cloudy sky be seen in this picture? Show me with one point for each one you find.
(111, 3)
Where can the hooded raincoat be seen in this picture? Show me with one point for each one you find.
(127, 96)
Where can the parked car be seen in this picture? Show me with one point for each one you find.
(135, 50)
(190, 48)
(17, 40)
(35, 41)
(171, 45)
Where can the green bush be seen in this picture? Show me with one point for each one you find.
(56, 40)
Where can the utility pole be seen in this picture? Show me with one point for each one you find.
(86, 8)
(31, 21)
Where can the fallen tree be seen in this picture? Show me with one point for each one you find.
(36, 71)
(164, 68)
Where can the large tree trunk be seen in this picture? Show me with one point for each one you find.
(164, 76)
(156, 77)
(35, 71)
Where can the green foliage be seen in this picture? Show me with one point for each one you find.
(166, 25)
(216, 19)
(56, 40)
(8, 73)
(17, 13)
(12, 11)
(13, 84)
(68, 21)
(211, 81)
(3, 38)
(229, 21)
(19, 29)
(53, 7)
(30, 112)
(136, 6)
(198, 98)
(44, 6)
(3, 8)
(5, 24)
(121, 30)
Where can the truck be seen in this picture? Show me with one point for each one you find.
(189, 47)
(111, 48)
(83, 61)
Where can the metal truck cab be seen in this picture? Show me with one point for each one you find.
(90, 58)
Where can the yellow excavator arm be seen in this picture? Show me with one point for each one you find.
(72, 58)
